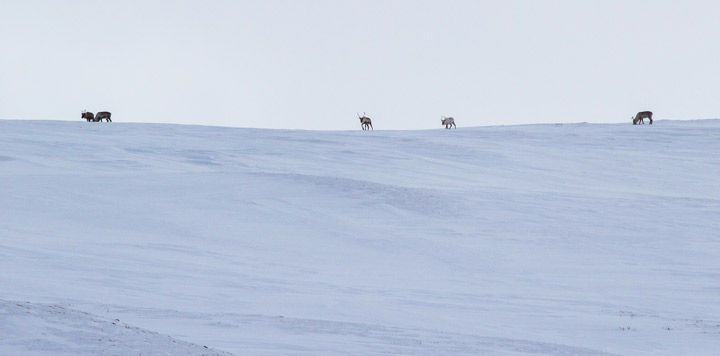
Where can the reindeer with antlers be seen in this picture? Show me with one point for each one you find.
(639, 118)
(449, 122)
(87, 115)
(365, 122)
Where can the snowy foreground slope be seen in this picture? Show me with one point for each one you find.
(142, 239)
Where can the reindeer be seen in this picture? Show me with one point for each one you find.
(365, 122)
(449, 122)
(103, 115)
(639, 118)
(87, 116)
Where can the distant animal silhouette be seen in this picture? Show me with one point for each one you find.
(103, 115)
(365, 122)
(87, 116)
(449, 122)
(639, 118)
(95, 118)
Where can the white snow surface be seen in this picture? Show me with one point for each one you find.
(149, 239)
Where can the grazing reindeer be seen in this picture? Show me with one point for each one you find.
(103, 115)
(87, 116)
(639, 118)
(449, 122)
(365, 122)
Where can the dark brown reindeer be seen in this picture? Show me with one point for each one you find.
(95, 118)
(365, 122)
(449, 122)
(639, 118)
(87, 116)
(103, 115)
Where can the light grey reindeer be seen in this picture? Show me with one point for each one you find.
(365, 122)
(449, 122)
(639, 118)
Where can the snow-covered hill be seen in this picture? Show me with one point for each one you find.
(143, 239)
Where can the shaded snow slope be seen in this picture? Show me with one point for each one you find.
(522, 240)
(39, 329)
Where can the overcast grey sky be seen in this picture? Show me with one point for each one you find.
(314, 64)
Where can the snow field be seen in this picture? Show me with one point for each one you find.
(577, 239)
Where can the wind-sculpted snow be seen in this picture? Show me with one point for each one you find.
(43, 329)
(521, 240)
